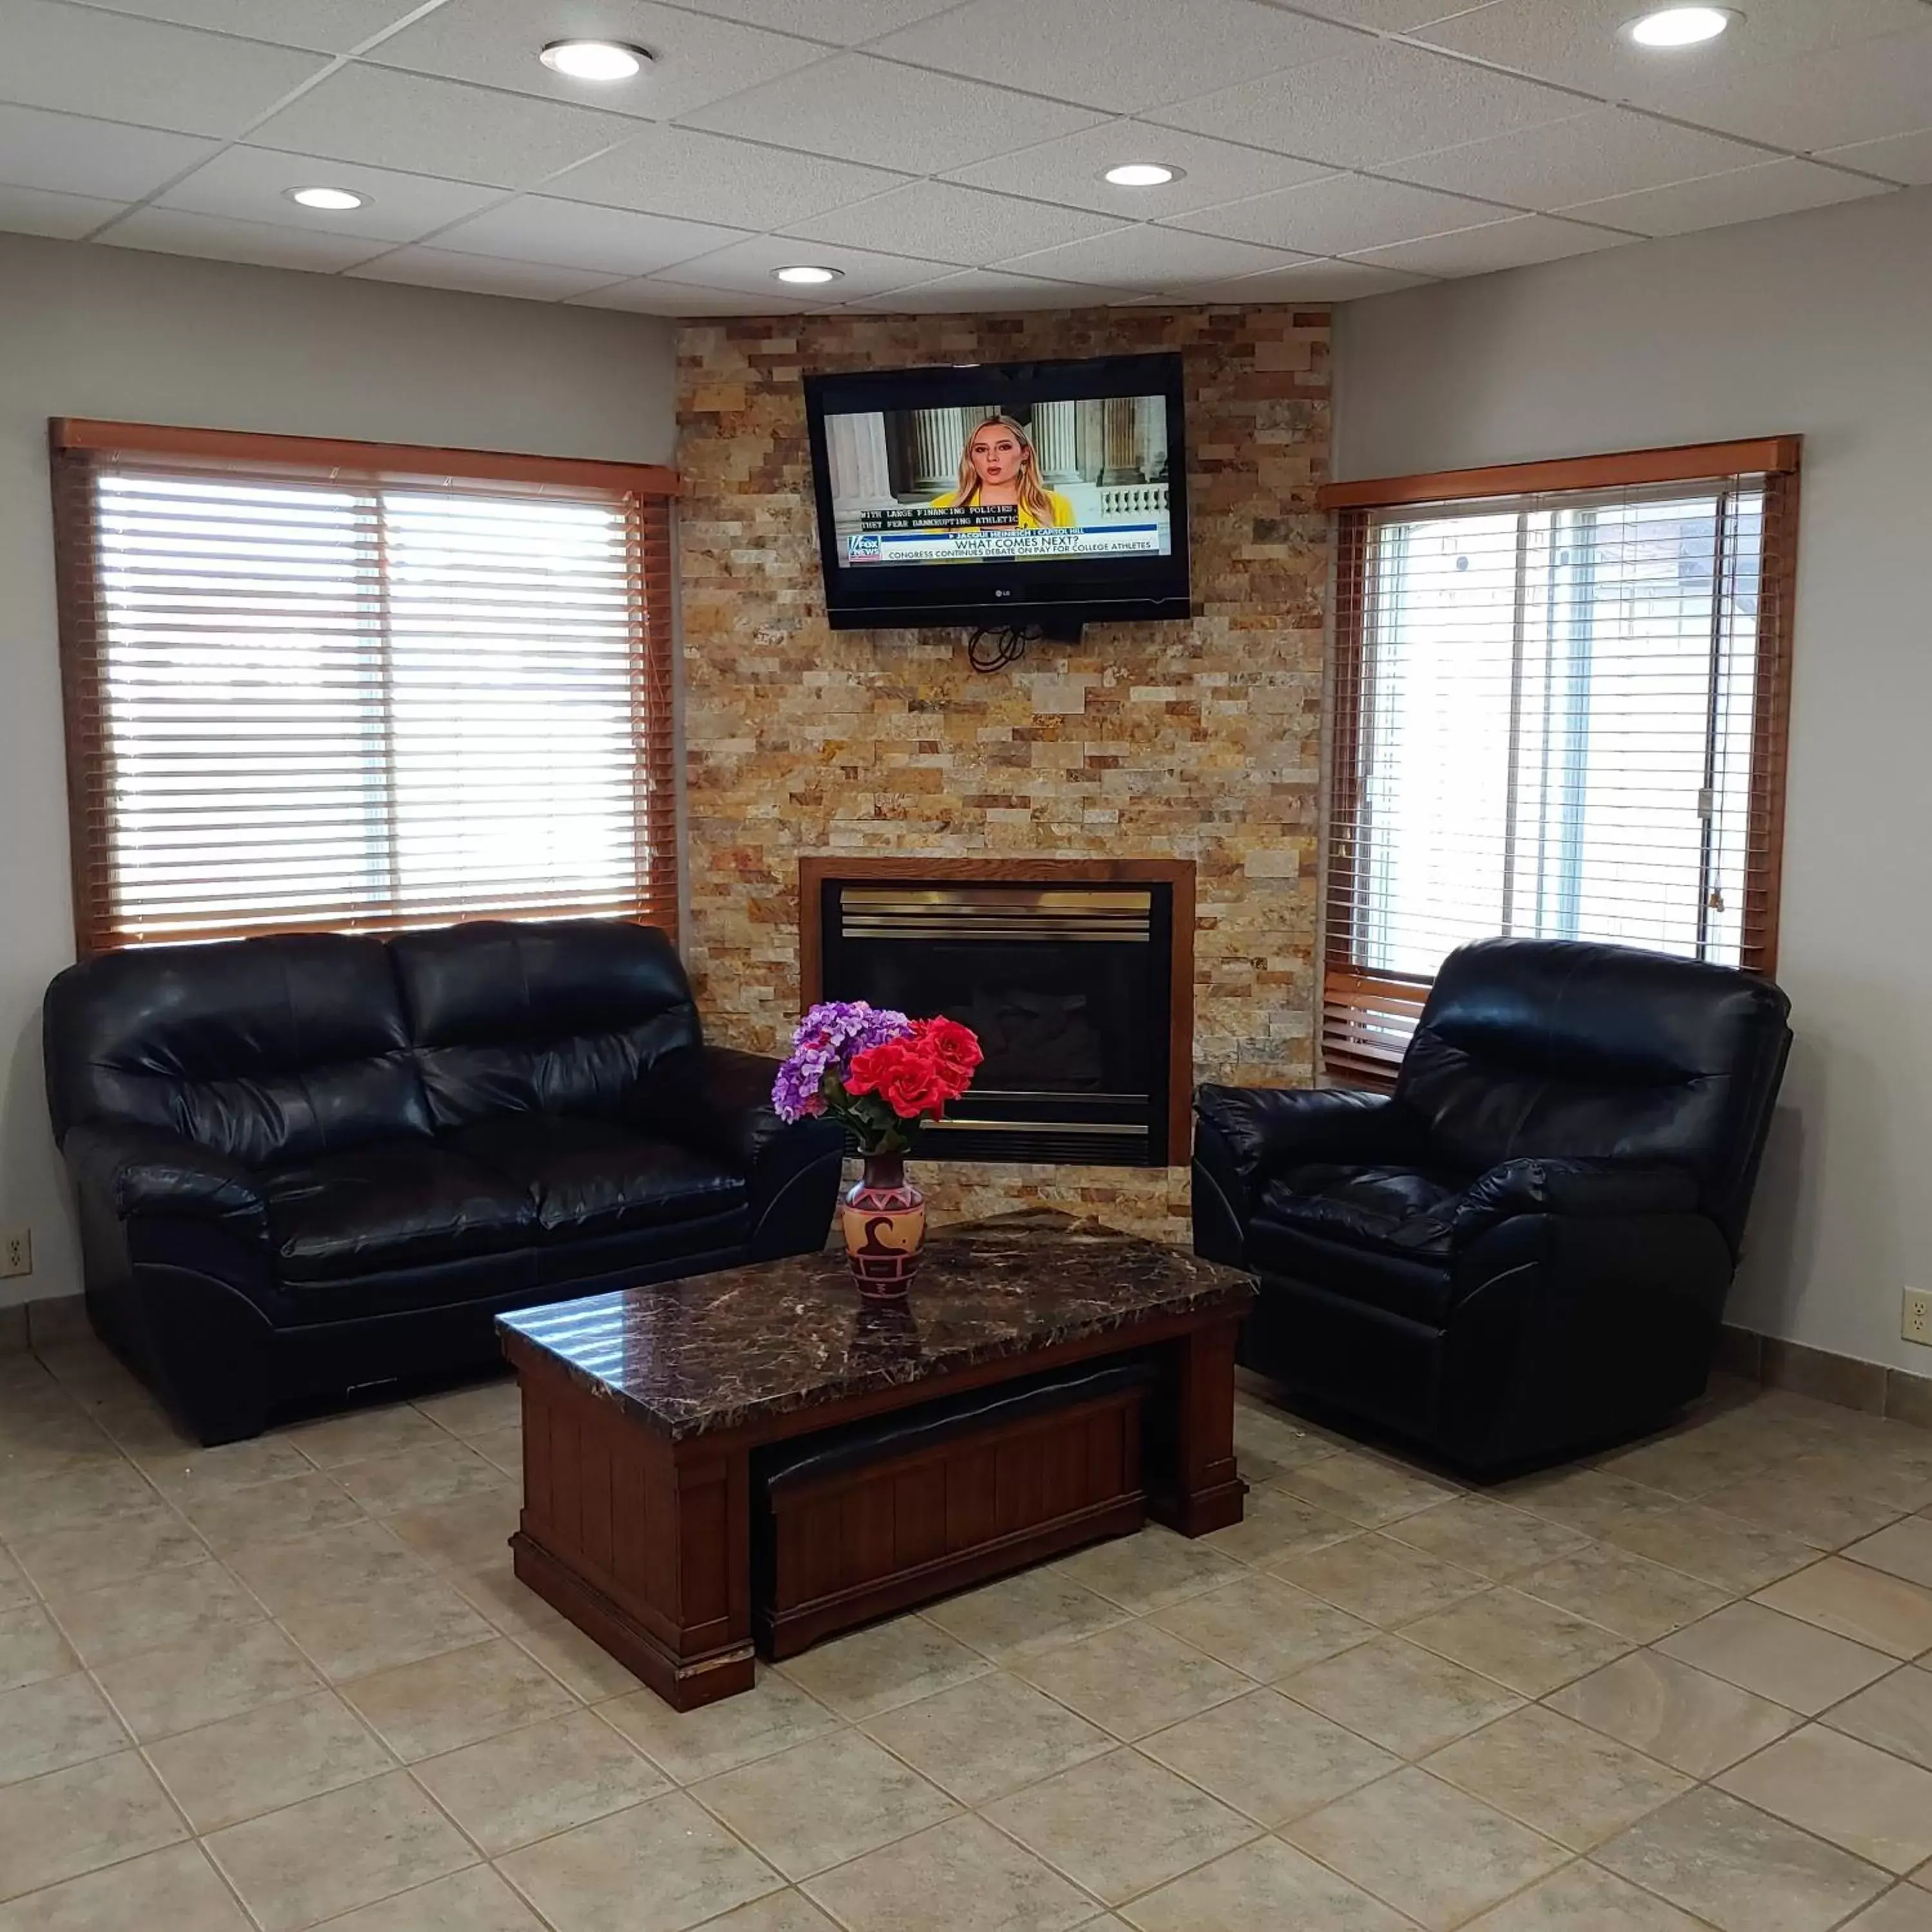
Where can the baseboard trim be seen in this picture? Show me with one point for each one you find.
(1869, 1387)
(46, 1323)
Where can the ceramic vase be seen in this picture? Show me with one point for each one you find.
(883, 1217)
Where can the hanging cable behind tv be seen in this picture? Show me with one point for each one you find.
(993, 647)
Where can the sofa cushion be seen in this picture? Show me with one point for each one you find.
(1397, 1207)
(586, 1176)
(1415, 1287)
(261, 1051)
(393, 1205)
(560, 1017)
(1558, 1048)
(1377, 1234)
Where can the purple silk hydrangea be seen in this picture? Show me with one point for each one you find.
(825, 1041)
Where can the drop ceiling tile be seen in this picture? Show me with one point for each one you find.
(425, 126)
(1341, 214)
(749, 265)
(1514, 244)
(174, 231)
(949, 223)
(845, 23)
(1900, 157)
(33, 211)
(1577, 43)
(710, 178)
(1862, 92)
(1745, 194)
(251, 183)
(1390, 16)
(478, 274)
(71, 154)
(496, 43)
(652, 297)
(1310, 281)
(1121, 55)
(1608, 151)
(328, 26)
(83, 61)
(987, 290)
(575, 234)
(1070, 170)
(1367, 109)
(855, 108)
(1146, 258)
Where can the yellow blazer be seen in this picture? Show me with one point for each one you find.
(1064, 518)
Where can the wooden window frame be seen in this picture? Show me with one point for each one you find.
(1349, 992)
(75, 442)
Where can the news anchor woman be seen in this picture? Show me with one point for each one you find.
(997, 466)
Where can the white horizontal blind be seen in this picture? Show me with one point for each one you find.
(1552, 723)
(345, 702)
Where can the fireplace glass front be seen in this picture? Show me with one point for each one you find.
(1068, 989)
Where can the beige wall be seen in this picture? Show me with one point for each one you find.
(154, 338)
(1820, 323)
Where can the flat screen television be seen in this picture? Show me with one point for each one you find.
(1015, 494)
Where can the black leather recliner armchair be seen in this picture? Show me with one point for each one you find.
(1524, 1250)
(311, 1162)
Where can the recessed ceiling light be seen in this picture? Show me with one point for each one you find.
(1679, 26)
(806, 272)
(336, 200)
(1141, 174)
(594, 60)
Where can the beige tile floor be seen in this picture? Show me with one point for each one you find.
(292, 1683)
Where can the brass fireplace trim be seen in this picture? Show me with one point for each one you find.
(1121, 917)
(1046, 879)
(1007, 899)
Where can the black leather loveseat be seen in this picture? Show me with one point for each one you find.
(1525, 1249)
(311, 1162)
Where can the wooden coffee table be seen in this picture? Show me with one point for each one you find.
(641, 1410)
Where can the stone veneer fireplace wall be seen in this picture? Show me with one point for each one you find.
(1197, 740)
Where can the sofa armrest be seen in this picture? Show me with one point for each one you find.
(717, 1101)
(138, 1170)
(713, 1098)
(1575, 1189)
(1266, 1129)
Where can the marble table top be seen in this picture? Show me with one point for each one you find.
(716, 1351)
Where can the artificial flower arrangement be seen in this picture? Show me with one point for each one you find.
(881, 1075)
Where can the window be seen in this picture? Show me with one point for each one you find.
(1560, 705)
(348, 687)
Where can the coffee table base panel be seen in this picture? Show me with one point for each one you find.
(908, 1528)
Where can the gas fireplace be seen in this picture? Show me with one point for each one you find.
(1076, 974)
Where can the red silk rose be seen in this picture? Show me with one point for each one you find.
(905, 1073)
(955, 1050)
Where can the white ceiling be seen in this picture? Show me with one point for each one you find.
(944, 154)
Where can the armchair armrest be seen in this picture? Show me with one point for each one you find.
(1577, 1189)
(1264, 1129)
(718, 1101)
(138, 1170)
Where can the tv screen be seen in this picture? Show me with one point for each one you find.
(1014, 493)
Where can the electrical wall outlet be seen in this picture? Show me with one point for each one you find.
(1918, 1316)
(16, 1251)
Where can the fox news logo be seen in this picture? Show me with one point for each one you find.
(865, 548)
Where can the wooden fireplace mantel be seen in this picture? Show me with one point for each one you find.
(1177, 873)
